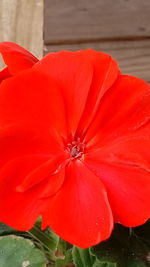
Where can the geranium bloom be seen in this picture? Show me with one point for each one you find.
(74, 144)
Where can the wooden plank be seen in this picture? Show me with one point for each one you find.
(69, 20)
(133, 56)
(21, 21)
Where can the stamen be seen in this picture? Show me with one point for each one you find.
(76, 148)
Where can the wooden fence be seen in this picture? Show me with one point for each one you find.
(21, 21)
(118, 27)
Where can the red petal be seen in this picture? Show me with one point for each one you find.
(16, 57)
(49, 169)
(4, 74)
(21, 209)
(131, 150)
(15, 142)
(80, 212)
(73, 73)
(124, 109)
(31, 101)
(29, 119)
(105, 72)
(119, 153)
(127, 184)
(84, 76)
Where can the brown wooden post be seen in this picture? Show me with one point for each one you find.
(21, 21)
(118, 27)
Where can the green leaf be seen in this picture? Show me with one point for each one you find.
(63, 254)
(64, 259)
(108, 254)
(46, 240)
(47, 237)
(125, 248)
(98, 263)
(63, 246)
(20, 252)
(5, 230)
(82, 257)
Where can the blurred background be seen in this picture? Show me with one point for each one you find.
(118, 27)
(21, 21)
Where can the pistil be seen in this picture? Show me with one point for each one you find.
(76, 148)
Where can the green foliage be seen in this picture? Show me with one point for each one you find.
(82, 257)
(5, 230)
(46, 240)
(125, 248)
(63, 254)
(20, 252)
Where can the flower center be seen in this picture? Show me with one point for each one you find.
(76, 148)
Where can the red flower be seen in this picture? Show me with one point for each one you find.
(74, 144)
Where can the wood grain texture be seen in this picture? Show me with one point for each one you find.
(80, 20)
(133, 56)
(21, 21)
